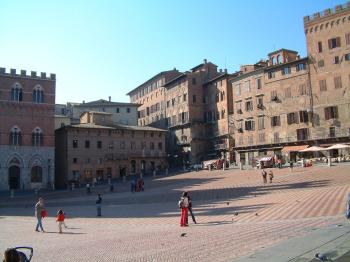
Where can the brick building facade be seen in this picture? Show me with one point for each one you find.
(98, 149)
(27, 130)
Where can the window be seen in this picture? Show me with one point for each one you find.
(249, 106)
(193, 81)
(302, 134)
(347, 57)
(292, 118)
(336, 60)
(347, 39)
(247, 86)
(258, 83)
(239, 107)
(261, 122)
(143, 145)
(99, 144)
(320, 63)
(122, 145)
(75, 160)
(274, 95)
(16, 93)
(132, 145)
(279, 61)
(334, 42)
(276, 137)
(222, 94)
(288, 92)
(37, 137)
(151, 145)
(217, 97)
(75, 143)
(319, 47)
(260, 103)
(300, 67)
(168, 103)
(302, 89)
(184, 97)
(331, 112)
(271, 74)
(262, 137)
(128, 109)
(337, 82)
(286, 70)
(249, 125)
(303, 116)
(250, 140)
(332, 131)
(160, 146)
(38, 94)
(36, 174)
(87, 144)
(323, 85)
(194, 99)
(273, 60)
(117, 110)
(238, 90)
(275, 121)
(15, 136)
(222, 113)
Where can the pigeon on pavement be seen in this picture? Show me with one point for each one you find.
(183, 234)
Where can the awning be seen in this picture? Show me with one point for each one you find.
(265, 159)
(288, 149)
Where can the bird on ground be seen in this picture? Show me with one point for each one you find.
(227, 203)
(183, 234)
(236, 214)
(322, 257)
(256, 214)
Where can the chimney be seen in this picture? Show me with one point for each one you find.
(109, 98)
(13, 71)
(205, 61)
(225, 70)
(83, 101)
(220, 70)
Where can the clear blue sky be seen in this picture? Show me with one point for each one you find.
(106, 48)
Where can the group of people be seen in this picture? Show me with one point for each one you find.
(40, 213)
(264, 175)
(137, 185)
(185, 204)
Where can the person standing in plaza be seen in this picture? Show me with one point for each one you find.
(60, 219)
(264, 174)
(183, 205)
(98, 204)
(291, 165)
(39, 210)
(190, 209)
(270, 175)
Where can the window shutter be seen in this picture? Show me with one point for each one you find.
(338, 41)
(330, 43)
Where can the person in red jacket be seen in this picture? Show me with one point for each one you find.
(60, 219)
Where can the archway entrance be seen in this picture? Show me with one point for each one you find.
(14, 177)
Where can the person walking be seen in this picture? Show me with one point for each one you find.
(60, 219)
(270, 175)
(264, 174)
(291, 165)
(39, 213)
(98, 204)
(88, 189)
(190, 209)
(183, 205)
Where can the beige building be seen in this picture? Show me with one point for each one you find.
(187, 140)
(151, 98)
(98, 149)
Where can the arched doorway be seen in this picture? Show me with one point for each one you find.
(14, 177)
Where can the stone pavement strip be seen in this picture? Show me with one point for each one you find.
(239, 218)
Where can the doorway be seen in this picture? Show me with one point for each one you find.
(14, 177)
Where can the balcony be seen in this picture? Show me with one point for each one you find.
(222, 146)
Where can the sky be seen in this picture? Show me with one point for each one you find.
(108, 47)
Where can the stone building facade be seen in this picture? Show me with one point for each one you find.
(27, 130)
(98, 149)
(151, 98)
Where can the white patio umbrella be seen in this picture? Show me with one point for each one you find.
(337, 146)
(313, 149)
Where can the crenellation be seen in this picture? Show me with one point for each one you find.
(33, 73)
(327, 12)
(43, 75)
(13, 71)
(23, 73)
(53, 76)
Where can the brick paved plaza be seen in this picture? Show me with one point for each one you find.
(237, 215)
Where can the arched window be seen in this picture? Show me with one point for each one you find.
(16, 92)
(133, 166)
(273, 60)
(279, 61)
(36, 174)
(38, 94)
(37, 137)
(15, 136)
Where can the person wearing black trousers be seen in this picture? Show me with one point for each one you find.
(190, 209)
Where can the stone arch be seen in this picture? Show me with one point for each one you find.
(15, 159)
(36, 160)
